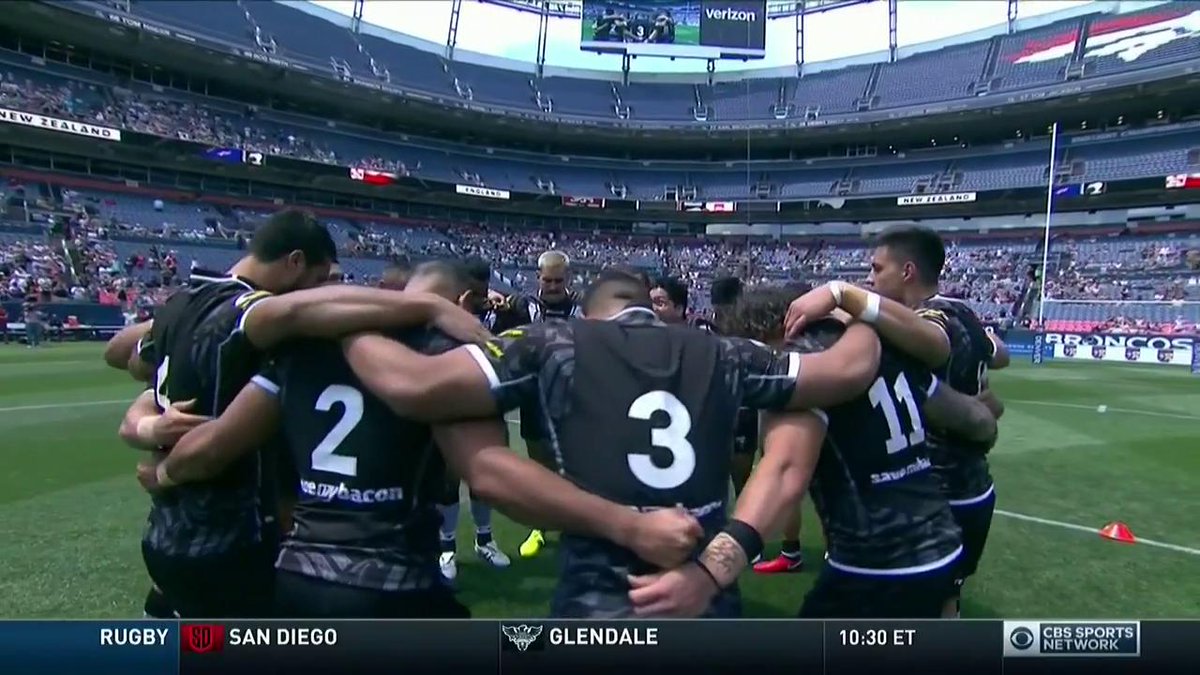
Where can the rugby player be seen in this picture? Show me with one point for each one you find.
(475, 300)
(210, 547)
(905, 268)
(554, 300)
(669, 300)
(637, 411)
(365, 541)
(892, 539)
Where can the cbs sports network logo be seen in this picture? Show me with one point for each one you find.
(1072, 638)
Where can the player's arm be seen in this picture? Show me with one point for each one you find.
(791, 449)
(123, 346)
(248, 423)
(477, 451)
(920, 334)
(145, 427)
(1000, 356)
(463, 383)
(432, 388)
(776, 380)
(968, 417)
(336, 310)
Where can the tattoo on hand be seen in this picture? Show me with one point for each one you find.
(725, 558)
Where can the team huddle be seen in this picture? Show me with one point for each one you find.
(307, 438)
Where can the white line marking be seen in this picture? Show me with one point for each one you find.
(1095, 531)
(52, 406)
(1081, 406)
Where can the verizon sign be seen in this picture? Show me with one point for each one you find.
(475, 191)
(922, 200)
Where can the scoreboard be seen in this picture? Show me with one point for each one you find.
(548, 647)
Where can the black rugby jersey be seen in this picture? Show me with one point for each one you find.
(199, 351)
(527, 309)
(640, 413)
(881, 506)
(961, 463)
(368, 481)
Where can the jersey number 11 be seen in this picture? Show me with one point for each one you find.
(884, 399)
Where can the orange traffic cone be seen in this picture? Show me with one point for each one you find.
(1118, 531)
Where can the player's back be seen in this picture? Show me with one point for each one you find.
(880, 504)
(368, 480)
(650, 424)
(201, 354)
(961, 463)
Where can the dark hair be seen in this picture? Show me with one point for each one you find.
(675, 289)
(618, 283)
(920, 245)
(293, 230)
(478, 269)
(725, 290)
(455, 272)
(758, 313)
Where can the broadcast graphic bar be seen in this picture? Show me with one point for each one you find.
(545, 647)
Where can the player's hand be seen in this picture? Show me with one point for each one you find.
(812, 306)
(176, 421)
(684, 592)
(147, 475)
(498, 300)
(993, 402)
(665, 537)
(460, 324)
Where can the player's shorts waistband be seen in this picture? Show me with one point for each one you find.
(990, 493)
(698, 511)
(936, 565)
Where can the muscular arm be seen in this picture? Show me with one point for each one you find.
(249, 422)
(333, 311)
(121, 352)
(136, 432)
(839, 373)
(948, 409)
(900, 325)
(791, 448)
(433, 388)
(476, 450)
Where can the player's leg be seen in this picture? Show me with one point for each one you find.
(539, 451)
(975, 521)
(485, 545)
(790, 559)
(449, 508)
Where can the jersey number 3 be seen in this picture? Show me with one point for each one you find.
(323, 456)
(886, 400)
(673, 438)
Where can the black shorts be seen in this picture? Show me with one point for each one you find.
(975, 520)
(231, 585)
(157, 606)
(301, 597)
(841, 595)
(531, 423)
(745, 438)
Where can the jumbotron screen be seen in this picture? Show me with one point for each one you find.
(704, 29)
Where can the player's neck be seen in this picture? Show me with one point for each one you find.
(251, 269)
(919, 294)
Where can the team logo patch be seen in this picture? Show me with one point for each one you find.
(1070, 351)
(1098, 351)
(522, 636)
(1165, 355)
(201, 639)
(1133, 353)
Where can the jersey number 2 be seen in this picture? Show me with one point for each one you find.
(886, 400)
(160, 384)
(673, 438)
(323, 457)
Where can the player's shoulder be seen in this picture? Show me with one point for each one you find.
(426, 340)
(817, 337)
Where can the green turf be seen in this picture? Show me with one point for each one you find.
(71, 513)
(684, 35)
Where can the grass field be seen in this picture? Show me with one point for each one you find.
(684, 35)
(71, 512)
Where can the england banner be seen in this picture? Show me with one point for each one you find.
(1157, 349)
(475, 191)
(54, 124)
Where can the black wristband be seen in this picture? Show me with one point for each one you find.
(747, 537)
(712, 577)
